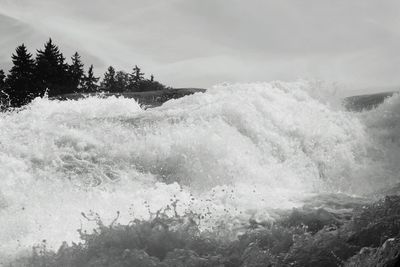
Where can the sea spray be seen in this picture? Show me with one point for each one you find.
(383, 125)
(233, 153)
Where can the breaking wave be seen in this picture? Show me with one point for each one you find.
(233, 153)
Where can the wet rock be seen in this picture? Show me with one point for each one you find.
(376, 223)
(388, 255)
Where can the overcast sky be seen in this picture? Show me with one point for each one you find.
(199, 43)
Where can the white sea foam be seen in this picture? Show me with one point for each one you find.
(232, 153)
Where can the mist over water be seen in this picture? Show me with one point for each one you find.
(236, 152)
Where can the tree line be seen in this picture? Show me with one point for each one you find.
(49, 73)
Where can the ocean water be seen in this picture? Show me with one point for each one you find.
(234, 153)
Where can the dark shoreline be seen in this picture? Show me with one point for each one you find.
(150, 98)
(359, 103)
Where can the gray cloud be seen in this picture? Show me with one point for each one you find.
(199, 43)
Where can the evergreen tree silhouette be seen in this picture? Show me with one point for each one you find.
(121, 81)
(76, 73)
(3, 95)
(137, 75)
(90, 82)
(64, 81)
(2, 79)
(135, 78)
(20, 81)
(29, 78)
(52, 71)
(108, 83)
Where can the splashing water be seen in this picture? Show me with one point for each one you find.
(233, 153)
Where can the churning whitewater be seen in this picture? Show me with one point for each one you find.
(233, 153)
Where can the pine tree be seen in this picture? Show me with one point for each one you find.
(3, 95)
(20, 83)
(64, 81)
(137, 76)
(108, 83)
(2, 79)
(135, 79)
(121, 81)
(76, 72)
(51, 70)
(90, 82)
